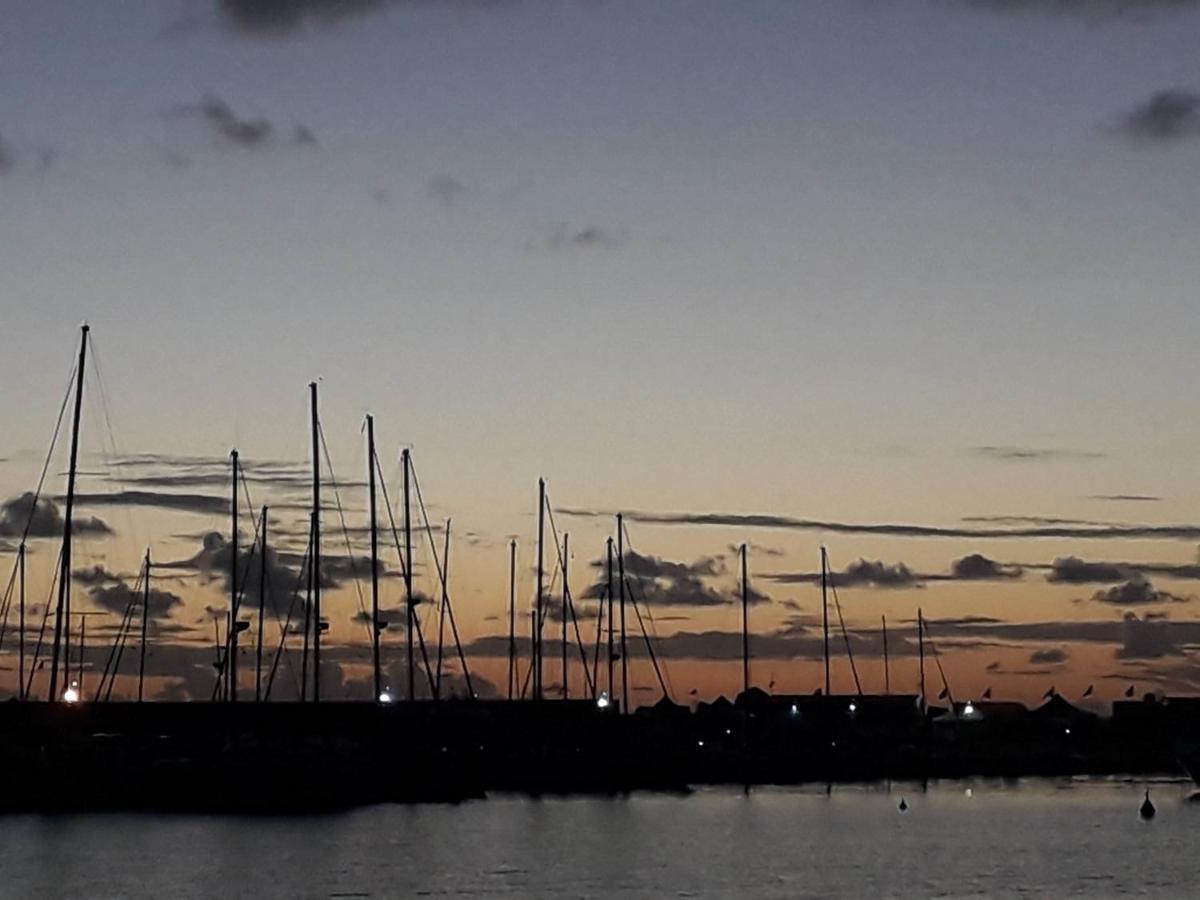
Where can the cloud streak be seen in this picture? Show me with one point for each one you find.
(791, 523)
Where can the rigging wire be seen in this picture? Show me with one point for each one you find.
(845, 636)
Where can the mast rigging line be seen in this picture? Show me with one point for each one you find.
(562, 565)
(649, 612)
(938, 660)
(845, 636)
(286, 625)
(337, 499)
(416, 620)
(37, 494)
(37, 650)
(442, 576)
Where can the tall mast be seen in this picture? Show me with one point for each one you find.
(445, 602)
(378, 675)
(145, 620)
(408, 594)
(921, 651)
(307, 615)
(62, 612)
(887, 670)
(21, 636)
(82, 648)
(537, 632)
(512, 617)
(566, 687)
(316, 547)
(825, 614)
(609, 595)
(745, 627)
(262, 608)
(232, 635)
(621, 588)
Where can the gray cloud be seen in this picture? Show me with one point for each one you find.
(1034, 454)
(564, 236)
(1073, 570)
(1127, 498)
(662, 582)
(43, 518)
(1166, 116)
(7, 160)
(1051, 655)
(205, 504)
(278, 18)
(977, 567)
(790, 523)
(445, 189)
(233, 130)
(1136, 592)
(1147, 638)
(96, 575)
(1096, 10)
(116, 597)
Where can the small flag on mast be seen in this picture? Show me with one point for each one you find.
(1088, 692)
(1129, 691)
(987, 694)
(1050, 693)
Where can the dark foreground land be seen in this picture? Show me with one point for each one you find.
(284, 757)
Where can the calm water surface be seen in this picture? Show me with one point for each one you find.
(957, 839)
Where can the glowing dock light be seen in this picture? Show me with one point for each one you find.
(385, 697)
(602, 701)
(853, 707)
(71, 694)
(795, 710)
(969, 709)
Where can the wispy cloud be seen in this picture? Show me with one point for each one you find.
(790, 523)
(1034, 454)
(564, 236)
(1127, 498)
(233, 130)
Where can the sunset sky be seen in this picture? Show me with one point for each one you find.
(913, 279)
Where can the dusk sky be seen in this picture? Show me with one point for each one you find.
(816, 263)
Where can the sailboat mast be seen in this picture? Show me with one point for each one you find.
(445, 602)
(378, 675)
(21, 636)
(887, 669)
(145, 620)
(262, 608)
(921, 651)
(408, 594)
(512, 617)
(566, 549)
(825, 613)
(537, 632)
(621, 588)
(316, 550)
(609, 597)
(232, 635)
(745, 627)
(62, 612)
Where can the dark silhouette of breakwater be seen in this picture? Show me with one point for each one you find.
(292, 757)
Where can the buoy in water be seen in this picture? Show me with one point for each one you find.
(903, 807)
(1147, 809)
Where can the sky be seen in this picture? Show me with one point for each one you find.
(773, 273)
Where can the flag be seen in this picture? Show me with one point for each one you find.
(944, 693)
(987, 695)
(1129, 691)
(694, 692)
(1089, 690)
(1050, 693)
(771, 685)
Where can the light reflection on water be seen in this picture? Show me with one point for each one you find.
(1034, 837)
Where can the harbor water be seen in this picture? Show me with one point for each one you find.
(954, 839)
